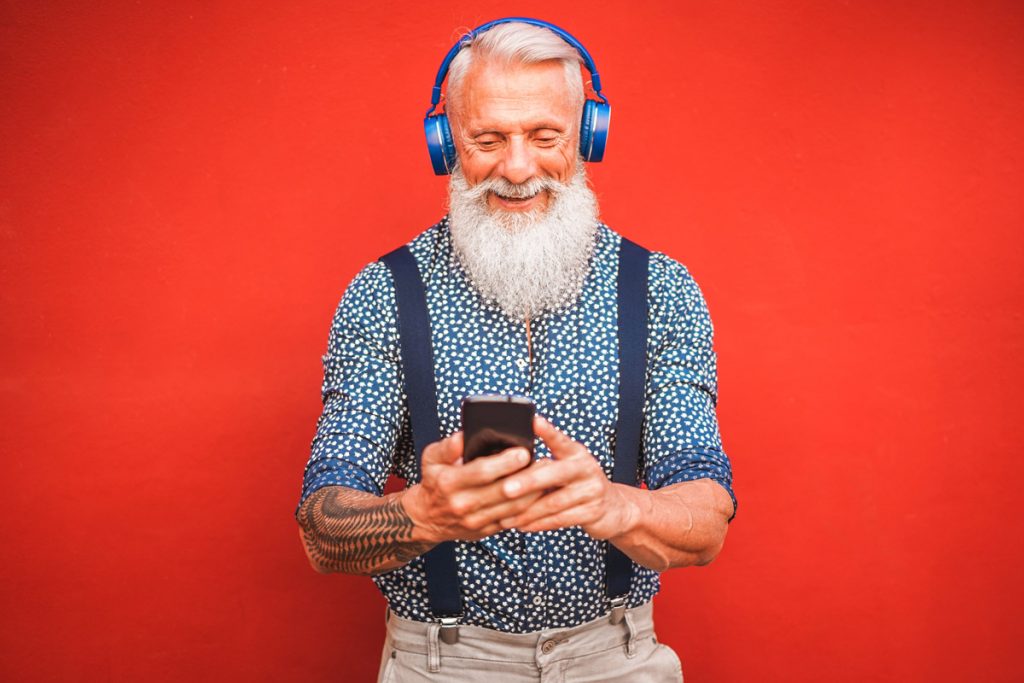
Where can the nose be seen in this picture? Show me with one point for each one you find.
(519, 163)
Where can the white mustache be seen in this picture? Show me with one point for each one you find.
(506, 188)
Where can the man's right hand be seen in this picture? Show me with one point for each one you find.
(464, 501)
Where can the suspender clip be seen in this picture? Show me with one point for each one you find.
(618, 610)
(449, 629)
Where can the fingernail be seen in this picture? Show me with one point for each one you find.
(522, 455)
(512, 487)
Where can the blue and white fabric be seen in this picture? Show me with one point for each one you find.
(512, 581)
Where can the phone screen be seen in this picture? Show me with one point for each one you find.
(490, 424)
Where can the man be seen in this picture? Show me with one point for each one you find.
(520, 284)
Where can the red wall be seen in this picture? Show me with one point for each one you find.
(186, 190)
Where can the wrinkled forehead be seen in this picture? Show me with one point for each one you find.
(530, 94)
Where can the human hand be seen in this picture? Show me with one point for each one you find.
(575, 490)
(465, 501)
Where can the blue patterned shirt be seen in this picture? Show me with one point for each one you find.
(515, 581)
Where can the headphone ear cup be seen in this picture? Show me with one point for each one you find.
(597, 117)
(439, 143)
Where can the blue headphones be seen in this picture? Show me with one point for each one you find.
(596, 115)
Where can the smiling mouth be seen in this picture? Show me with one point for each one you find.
(514, 201)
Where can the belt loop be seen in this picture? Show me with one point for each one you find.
(433, 648)
(631, 643)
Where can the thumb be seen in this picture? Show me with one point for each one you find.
(444, 452)
(558, 443)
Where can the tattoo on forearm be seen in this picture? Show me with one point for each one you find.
(350, 531)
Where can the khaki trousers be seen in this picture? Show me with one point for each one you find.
(595, 652)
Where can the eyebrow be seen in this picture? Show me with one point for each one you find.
(546, 125)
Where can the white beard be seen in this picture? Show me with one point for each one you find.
(527, 263)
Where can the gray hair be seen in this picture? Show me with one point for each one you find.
(517, 43)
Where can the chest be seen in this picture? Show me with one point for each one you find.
(567, 363)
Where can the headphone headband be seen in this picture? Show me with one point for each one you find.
(442, 73)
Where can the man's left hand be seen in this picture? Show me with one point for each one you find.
(578, 491)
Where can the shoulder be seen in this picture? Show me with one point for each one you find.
(371, 289)
(676, 306)
(367, 306)
(374, 282)
(669, 282)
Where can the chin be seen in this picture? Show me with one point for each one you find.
(518, 221)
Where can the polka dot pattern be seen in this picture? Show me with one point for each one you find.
(514, 581)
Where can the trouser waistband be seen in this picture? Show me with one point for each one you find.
(540, 648)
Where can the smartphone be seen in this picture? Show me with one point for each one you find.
(492, 423)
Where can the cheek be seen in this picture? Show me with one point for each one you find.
(565, 167)
(565, 172)
(475, 168)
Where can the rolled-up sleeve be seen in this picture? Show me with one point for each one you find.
(363, 407)
(681, 439)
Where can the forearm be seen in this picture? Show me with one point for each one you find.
(677, 526)
(344, 530)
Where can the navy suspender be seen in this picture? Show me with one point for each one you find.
(421, 394)
(418, 367)
(632, 304)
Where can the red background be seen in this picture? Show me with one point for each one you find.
(186, 189)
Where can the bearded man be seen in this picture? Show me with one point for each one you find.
(521, 284)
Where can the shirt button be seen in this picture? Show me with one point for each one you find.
(538, 600)
(521, 363)
(548, 646)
